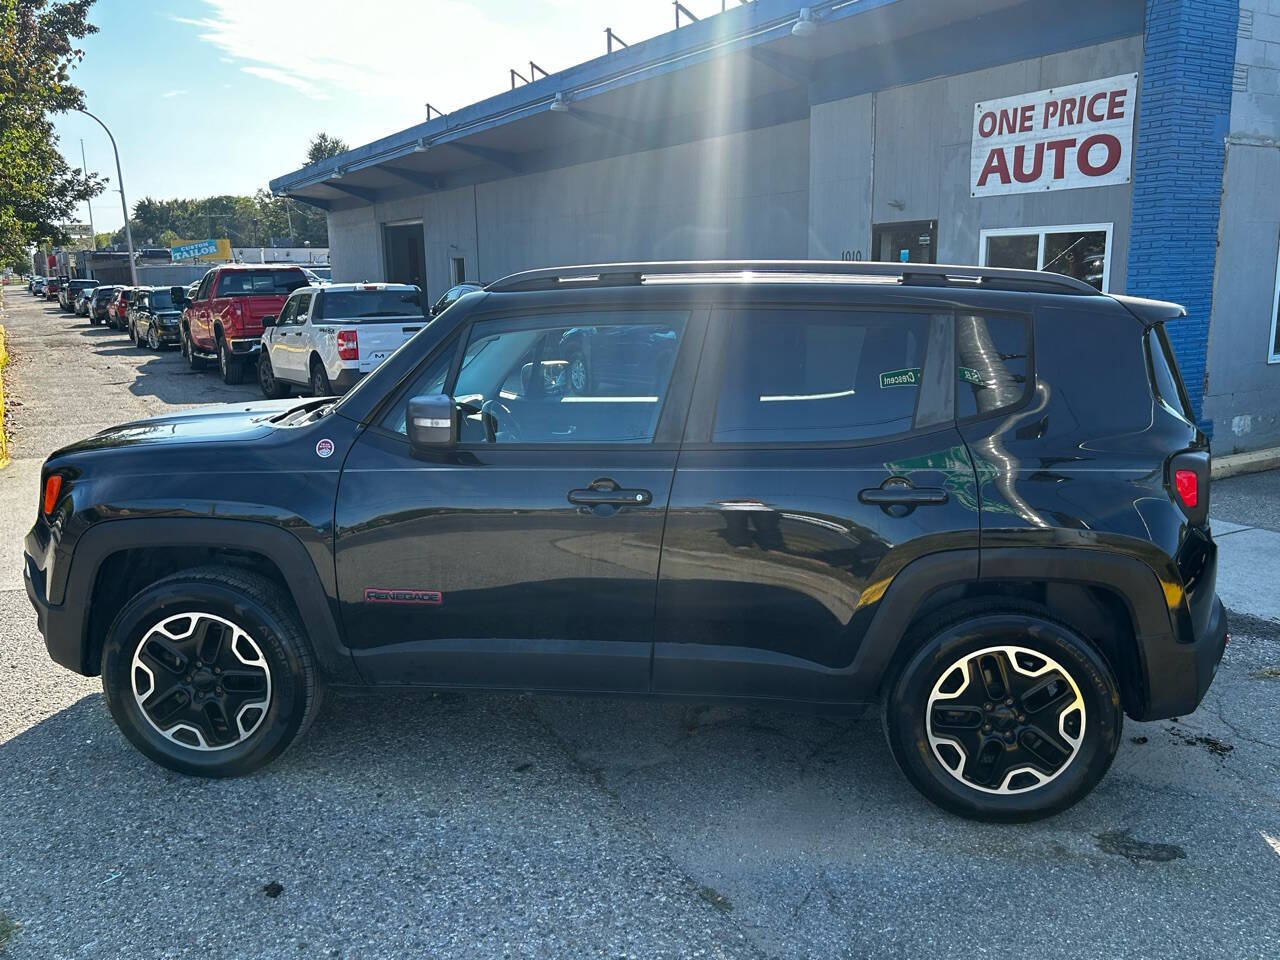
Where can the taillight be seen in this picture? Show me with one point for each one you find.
(1188, 486)
(348, 345)
(52, 489)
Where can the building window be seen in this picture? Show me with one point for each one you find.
(1275, 320)
(459, 270)
(1082, 251)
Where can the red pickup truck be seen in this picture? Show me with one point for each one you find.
(223, 320)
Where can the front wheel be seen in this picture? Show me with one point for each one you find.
(271, 388)
(1003, 714)
(153, 340)
(208, 672)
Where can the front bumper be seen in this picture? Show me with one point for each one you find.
(62, 632)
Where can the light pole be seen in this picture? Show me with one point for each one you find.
(93, 236)
(124, 204)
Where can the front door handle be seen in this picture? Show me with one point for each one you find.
(606, 492)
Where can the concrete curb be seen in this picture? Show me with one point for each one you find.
(1255, 461)
(4, 358)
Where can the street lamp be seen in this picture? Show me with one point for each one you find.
(124, 204)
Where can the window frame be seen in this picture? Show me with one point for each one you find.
(1042, 232)
(675, 402)
(700, 427)
(1273, 348)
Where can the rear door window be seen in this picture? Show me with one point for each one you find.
(822, 376)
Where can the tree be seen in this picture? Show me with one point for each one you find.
(38, 190)
(323, 146)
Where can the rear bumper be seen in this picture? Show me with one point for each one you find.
(1179, 674)
(245, 346)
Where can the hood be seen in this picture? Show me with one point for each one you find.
(216, 423)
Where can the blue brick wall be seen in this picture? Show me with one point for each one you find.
(1184, 109)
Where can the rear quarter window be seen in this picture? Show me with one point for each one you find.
(1166, 381)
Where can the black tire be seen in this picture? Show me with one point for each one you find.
(153, 340)
(271, 388)
(189, 351)
(939, 646)
(320, 385)
(577, 378)
(231, 368)
(266, 616)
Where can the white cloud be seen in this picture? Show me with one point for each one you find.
(403, 53)
(168, 94)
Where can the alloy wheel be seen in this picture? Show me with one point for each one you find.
(201, 681)
(1005, 719)
(152, 340)
(578, 375)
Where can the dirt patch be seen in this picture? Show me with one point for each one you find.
(1121, 843)
(7, 929)
(1219, 748)
(1267, 673)
(717, 899)
(1138, 740)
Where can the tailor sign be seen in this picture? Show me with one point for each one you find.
(1062, 138)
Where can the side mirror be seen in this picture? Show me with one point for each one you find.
(268, 321)
(432, 422)
(178, 295)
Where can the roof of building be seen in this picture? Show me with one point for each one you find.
(738, 70)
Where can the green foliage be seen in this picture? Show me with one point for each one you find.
(323, 146)
(38, 189)
(245, 221)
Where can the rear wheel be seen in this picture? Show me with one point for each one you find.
(230, 366)
(271, 388)
(208, 672)
(1003, 713)
(320, 386)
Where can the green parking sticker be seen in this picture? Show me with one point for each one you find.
(970, 375)
(900, 378)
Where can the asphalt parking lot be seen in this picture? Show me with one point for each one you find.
(502, 826)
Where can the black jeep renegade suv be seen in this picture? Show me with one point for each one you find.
(975, 496)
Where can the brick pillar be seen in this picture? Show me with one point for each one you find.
(1184, 111)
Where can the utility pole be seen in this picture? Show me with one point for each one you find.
(124, 204)
(93, 236)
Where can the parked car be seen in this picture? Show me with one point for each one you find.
(154, 319)
(83, 301)
(453, 294)
(318, 275)
(327, 338)
(975, 496)
(118, 311)
(223, 321)
(69, 292)
(101, 304)
(52, 286)
(37, 286)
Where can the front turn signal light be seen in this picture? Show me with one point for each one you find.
(52, 489)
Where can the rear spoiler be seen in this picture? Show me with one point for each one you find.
(1150, 312)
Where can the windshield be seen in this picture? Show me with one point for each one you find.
(161, 300)
(265, 283)
(353, 306)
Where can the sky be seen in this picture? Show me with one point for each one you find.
(210, 97)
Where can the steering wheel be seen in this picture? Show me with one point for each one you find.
(493, 411)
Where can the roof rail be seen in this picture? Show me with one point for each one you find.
(915, 274)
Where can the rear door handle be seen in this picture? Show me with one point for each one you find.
(606, 492)
(903, 496)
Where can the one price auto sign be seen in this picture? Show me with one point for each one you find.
(1056, 139)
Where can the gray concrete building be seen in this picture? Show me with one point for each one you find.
(1132, 143)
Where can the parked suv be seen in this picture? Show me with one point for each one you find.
(326, 338)
(101, 304)
(154, 318)
(977, 497)
(223, 321)
(69, 290)
(118, 309)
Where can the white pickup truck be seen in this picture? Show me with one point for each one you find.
(326, 338)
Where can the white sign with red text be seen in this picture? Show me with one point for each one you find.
(1056, 139)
